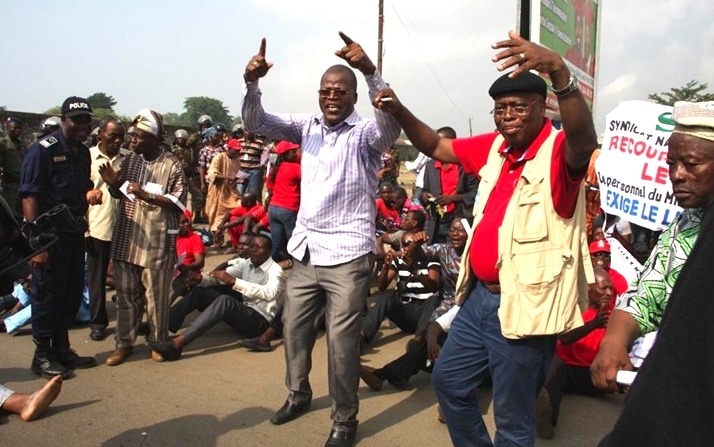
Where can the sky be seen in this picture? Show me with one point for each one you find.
(437, 56)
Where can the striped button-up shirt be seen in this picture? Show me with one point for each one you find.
(337, 212)
(145, 233)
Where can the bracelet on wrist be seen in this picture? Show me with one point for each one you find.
(571, 87)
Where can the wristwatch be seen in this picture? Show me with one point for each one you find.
(568, 89)
(152, 197)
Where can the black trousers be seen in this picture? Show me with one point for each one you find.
(412, 317)
(400, 370)
(57, 290)
(563, 379)
(97, 263)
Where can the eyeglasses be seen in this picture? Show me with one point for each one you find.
(457, 230)
(327, 92)
(600, 254)
(518, 109)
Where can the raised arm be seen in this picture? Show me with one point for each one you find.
(576, 116)
(255, 118)
(423, 137)
(388, 128)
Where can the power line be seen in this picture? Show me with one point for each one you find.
(428, 66)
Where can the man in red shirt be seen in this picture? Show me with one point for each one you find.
(600, 255)
(574, 353)
(191, 253)
(476, 345)
(241, 218)
(448, 193)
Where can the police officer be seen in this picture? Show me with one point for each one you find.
(185, 155)
(195, 143)
(12, 151)
(48, 126)
(56, 171)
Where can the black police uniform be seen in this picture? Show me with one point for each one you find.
(56, 174)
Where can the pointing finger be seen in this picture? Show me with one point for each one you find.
(262, 47)
(346, 39)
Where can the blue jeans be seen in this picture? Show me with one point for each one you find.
(254, 184)
(282, 224)
(518, 368)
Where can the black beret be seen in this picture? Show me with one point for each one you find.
(525, 82)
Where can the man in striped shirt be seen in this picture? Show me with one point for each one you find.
(333, 242)
(153, 190)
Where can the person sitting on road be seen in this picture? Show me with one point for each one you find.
(415, 298)
(387, 212)
(399, 371)
(191, 253)
(258, 282)
(30, 406)
(575, 350)
(600, 254)
(235, 221)
(413, 222)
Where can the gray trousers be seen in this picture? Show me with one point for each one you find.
(340, 290)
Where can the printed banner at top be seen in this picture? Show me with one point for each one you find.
(632, 167)
(570, 28)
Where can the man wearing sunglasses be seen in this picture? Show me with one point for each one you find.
(333, 243)
(526, 262)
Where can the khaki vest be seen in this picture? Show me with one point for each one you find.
(543, 260)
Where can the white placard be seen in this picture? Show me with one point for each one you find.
(632, 167)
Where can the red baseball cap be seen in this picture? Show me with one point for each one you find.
(285, 146)
(234, 144)
(599, 246)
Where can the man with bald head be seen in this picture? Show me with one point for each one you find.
(333, 243)
(526, 263)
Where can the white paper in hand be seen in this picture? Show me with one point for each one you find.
(625, 377)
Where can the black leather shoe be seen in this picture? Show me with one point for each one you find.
(341, 437)
(70, 360)
(166, 349)
(289, 411)
(96, 334)
(48, 367)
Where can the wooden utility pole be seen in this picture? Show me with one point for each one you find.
(380, 34)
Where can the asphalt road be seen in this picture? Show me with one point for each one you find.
(219, 394)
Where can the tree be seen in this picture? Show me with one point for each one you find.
(56, 110)
(101, 100)
(174, 119)
(196, 106)
(689, 92)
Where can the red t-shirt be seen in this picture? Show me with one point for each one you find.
(619, 284)
(449, 176)
(388, 213)
(472, 153)
(582, 352)
(190, 245)
(285, 192)
(257, 211)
